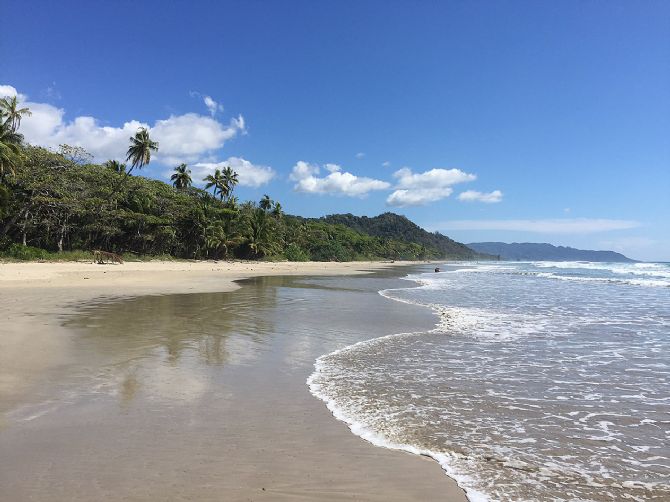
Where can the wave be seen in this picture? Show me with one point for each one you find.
(378, 424)
(638, 274)
(322, 370)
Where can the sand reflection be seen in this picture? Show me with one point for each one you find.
(158, 348)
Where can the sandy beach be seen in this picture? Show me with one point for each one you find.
(171, 414)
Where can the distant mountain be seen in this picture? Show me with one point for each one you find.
(529, 251)
(396, 227)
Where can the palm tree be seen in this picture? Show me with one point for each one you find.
(139, 151)
(9, 148)
(266, 203)
(230, 179)
(217, 182)
(115, 166)
(259, 234)
(232, 202)
(10, 108)
(277, 210)
(182, 177)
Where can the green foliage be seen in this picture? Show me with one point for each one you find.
(293, 252)
(53, 205)
(139, 151)
(25, 253)
(397, 227)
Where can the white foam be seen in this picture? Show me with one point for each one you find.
(492, 322)
(359, 429)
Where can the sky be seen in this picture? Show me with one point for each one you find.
(515, 121)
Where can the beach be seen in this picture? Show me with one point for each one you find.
(169, 380)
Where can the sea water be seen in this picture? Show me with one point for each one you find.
(541, 381)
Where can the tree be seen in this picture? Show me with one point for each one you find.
(216, 181)
(115, 166)
(277, 210)
(230, 179)
(76, 154)
(182, 177)
(266, 203)
(10, 152)
(12, 112)
(259, 234)
(139, 151)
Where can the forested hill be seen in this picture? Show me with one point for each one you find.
(394, 226)
(58, 204)
(541, 251)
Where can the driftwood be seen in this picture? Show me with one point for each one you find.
(101, 257)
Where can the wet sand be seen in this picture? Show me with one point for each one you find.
(121, 387)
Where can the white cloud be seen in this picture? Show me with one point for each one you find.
(182, 138)
(435, 178)
(417, 197)
(386, 163)
(475, 196)
(186, 138)
(360, 155)
(415, 189)
(250, 175)
(8, 90)
(212, 105)
(337, 182)
(544, 226)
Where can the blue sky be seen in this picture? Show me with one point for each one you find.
(552, 117)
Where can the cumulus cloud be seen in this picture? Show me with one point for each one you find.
(250, 175)
(338, 182)
(186, 138)
(435, 178)
(417, 197)
(182, 138)
(475, 196)
(544, 226)
(415, 189)
(10, 91)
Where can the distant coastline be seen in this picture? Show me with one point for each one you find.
(530, 251)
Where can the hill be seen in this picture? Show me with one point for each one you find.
(396, 227)
(53, 206)
(529, 251)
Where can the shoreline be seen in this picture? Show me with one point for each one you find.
(36, 297)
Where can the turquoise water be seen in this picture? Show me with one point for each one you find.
(541, 380)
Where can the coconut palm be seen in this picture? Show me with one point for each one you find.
(266, 203)
(115, 166)
(230, 179)
(233, 202)
(259, 234)
(216, 181)
(139, 151)
(12, 112)
(277, 210)
(10, 153)
(182, 177)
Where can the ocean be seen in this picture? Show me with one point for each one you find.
(541, 380)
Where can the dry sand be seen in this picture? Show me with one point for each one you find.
(35, 299)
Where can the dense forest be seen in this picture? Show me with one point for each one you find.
(394, 226)
(55, 202)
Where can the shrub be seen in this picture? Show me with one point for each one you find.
(21, 252)
(293, 252)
